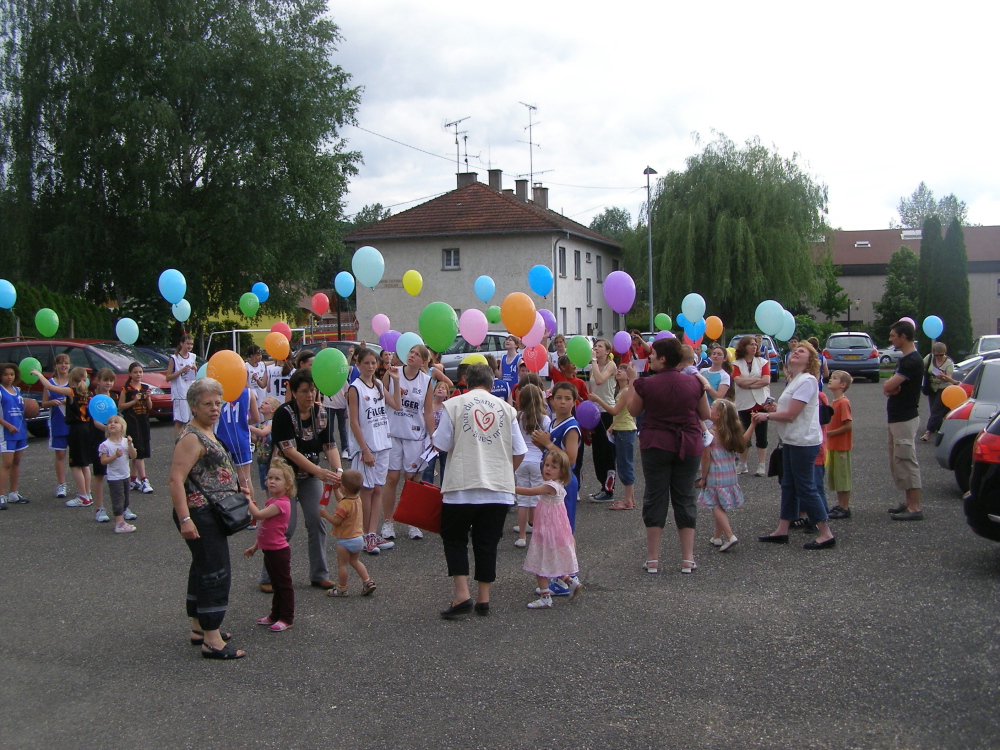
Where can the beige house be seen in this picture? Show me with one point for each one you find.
(483, 230)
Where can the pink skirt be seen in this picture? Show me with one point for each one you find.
(552, 551)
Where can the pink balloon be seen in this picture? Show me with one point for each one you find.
(619, 291)
(622, 342)
(534, 336)
(473, 326)
(588, 415)
(380, 324)
(909, 320)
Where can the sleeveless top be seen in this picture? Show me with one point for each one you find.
(212, 474)
(373, 420)
(179, 385)
(57, 413)
(559, 432)
(233, 427)
(131, 392)
(13, 412)
(408, 422)
(508, 370)
(605, 390)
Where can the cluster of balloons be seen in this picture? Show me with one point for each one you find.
(774, 320)
(173, 287)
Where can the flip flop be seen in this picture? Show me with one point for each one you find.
(225, 653)
(198, 641)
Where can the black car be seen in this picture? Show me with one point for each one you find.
(982, 503)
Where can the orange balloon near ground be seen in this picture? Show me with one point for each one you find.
(953, 395)
(276, 345)
(713, 327)
(229, 369)
(517, 313)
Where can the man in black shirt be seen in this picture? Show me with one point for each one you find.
(903, 392)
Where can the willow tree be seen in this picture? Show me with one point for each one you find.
(735, 226)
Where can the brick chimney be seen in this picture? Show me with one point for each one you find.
(540, 195)
(496, 180)
(467, 178)
(521, 190)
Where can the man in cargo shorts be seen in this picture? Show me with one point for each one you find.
(903, 392)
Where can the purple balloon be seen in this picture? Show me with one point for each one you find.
(664, 335)
(588, 415)
(622, 342)
(388, 340)
(619, 291)
(550, 322)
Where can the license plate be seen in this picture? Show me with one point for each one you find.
(852, 356)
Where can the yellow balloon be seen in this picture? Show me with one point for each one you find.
(413, 282)
(474, 359)
(732, 354)
(953, 396)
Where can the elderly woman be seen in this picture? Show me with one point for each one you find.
(752, 378)
(671, 446)
(797, 415)
(201, 469)
(939, 369)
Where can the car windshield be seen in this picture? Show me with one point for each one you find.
(120, 356)
(989, 343)
(849, 342)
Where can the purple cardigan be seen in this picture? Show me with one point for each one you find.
(670, 423)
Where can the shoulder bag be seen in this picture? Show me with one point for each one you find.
(232, 512)
(925, 387)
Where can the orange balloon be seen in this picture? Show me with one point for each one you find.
(713, 327)
(276, 345)
(228, 368)
(953, 396)
(517, 313)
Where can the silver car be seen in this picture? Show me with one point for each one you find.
(964, 423)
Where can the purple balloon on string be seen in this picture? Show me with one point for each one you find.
(388, 340)
(622, 342)
(588, 415)
(550, 322)
(619, 291)
(664, 335)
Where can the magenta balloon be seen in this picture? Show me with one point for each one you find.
(473, 326)
(619, 291)
(588, 415)
(534, 336)
(550, 322)
(664, 335)
(622, 342)
(380, 324)
(388, 340)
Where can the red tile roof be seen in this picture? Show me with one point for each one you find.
(472, 210)
(981, 244)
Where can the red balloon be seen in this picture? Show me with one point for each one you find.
(282, 328)
(320, 303)
(535, 357)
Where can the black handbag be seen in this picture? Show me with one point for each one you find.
(774, 465)
(232, 512)
(925, 387)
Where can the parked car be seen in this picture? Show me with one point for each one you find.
(767, 349)
(962, 425)
(460, 349)
(964, 368)
(889, 354)
(982, 503)
(855, 353)
(162, 355)
(985, 344)
(91, 354)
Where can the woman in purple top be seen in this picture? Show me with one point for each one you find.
(671, 446)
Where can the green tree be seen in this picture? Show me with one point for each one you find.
(950, 293)
(614, 223)
(146, 135)
(832, 299)
(735, 226)
(337, 258)
(921, 205)
(929, 273)
(897, 300)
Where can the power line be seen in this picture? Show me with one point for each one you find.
(407, 145)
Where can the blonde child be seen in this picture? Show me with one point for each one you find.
(624, 430)
(114, 454)
(261, 433)
(840, 441)
(347, 528)
(78, 418)
(58, 429)
(13, 435)
(553, 551)
(531, 416)
(688, 367)
(272, 523)
(104, 381)
(135, 404)
(720, 488)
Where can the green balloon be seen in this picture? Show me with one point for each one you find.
(249, 304)
(579, 351)
(330, 371)
(662, 322)
(493, 313)
(27, 365)
(47, 322)
(438, 325)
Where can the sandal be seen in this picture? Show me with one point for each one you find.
(225, 653)
(620, 505)
(198, 641)
(367, 587)
(691, 569)
(925, 437)
(651, 566)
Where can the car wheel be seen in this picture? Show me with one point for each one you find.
(886, 359)
(963, 465)
(38, 429)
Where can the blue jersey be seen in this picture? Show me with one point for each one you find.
(508, 370)
(558, 435)
(501, 389)
(233, 427)
(13, 413)
(57, 414)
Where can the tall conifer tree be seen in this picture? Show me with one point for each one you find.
(954, 283)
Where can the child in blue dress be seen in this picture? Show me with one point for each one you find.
(13, 436)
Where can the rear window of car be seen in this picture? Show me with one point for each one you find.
(120, 356)
(989, 343)
(849, 342)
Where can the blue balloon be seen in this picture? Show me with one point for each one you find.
(102, 408)
(8, 294)
(769, 316)
(182, 310)
(540, 280)
(344, 284)
(406, 342)
(693, 306)
(202, 371)
(696, 330)
(368, 266)
(682, 320)
(933, 326)
(787, 328)
(261, 290)
(172, 285)
(127, 330)
(484, 288)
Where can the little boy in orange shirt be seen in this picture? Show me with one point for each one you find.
(840, 440)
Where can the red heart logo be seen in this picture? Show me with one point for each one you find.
(485, 419)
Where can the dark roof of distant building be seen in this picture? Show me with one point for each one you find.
(876, 246)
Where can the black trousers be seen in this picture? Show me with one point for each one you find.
(484, 523)
(279, 569)
(210, 574)
(604, 449)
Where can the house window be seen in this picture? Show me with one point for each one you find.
(577, 272)
(562, 262)
(590, 301)
(579, 320)
(562, 319)
(998, 287)
(600, 269)
(600, 321)
(588, 257)
(449, 260)
(616, 322)
(615, 265)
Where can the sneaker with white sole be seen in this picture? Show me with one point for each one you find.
(61, 491)
(145, 487)
(101, 516)
(370, 547)
(17, 497)
(716, 541)
(761, 471)
(128, 515)
(558, 588)
(135, 485)
(575, 587)
(415, 533)
(542, 602)
(3, 502)
(742, 468)
(383, 543)
(521, 543)
(530, 529)
(388, 530)
(124, 528)
(80, 501)
(345, 453)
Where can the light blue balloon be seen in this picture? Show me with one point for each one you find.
(682, 320)
(933, 326)
(484, 288)
(202, 371)
(695, 330)
(769, 317)
(368, 266)
(173, 285)
(344, 284)
(693, 306)
(127, 330)
(181, 311)
(261, 290)
(8, 294)
(102, 408)
(787, 327)
(406, 342)
(540, 280)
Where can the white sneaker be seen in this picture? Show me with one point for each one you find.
(761, 471)
(60, 491)
(124, 528)
(101, 516)
(518, 529)
(716, 541)
(542, 602)
(388, 530)
(521, 543)
(575, 587)
(345, 453)
(742, 468)
(128, 515)
(145, 487)
(729, 544)
(135, 485)
(383, 544)
(416, 533)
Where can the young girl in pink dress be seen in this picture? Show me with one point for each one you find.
(552, 552)
(719, 486)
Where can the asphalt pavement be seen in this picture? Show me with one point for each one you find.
(888, 640)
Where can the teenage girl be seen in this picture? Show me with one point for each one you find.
(58, 429)
(720, 488)
(13, 436)
(272, 523)
(114, 454)
(602, 373)
(369, 443)
(564, 434)
(719, 375)
(552, 554)
(78, 444)
(134, 404)
(623, 426)
(181, 371)
(510, 360)
(531, 415)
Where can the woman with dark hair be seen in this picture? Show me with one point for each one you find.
(671, 446)
(752, 378)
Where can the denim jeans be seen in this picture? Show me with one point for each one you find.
(210, 574)
(340, 415)
(442, 458)
(798, 483)
(625, 456)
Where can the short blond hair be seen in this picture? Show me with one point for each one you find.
(118, 418)
(843, 377)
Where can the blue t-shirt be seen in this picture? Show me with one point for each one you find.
(13, 413)
(233, 427)
(501, 389)
(508, 370)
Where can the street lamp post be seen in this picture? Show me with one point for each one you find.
(649, 240)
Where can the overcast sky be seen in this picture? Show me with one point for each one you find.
(874, 96)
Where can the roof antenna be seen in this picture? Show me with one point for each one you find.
(531, 144)
(457, 133)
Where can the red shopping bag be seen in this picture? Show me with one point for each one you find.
(420, 505)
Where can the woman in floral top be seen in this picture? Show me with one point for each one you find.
(201, 468)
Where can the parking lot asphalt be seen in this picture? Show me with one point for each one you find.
(888, 640)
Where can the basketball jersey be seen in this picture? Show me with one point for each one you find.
(276, 382)
(508, 370)
(233, 427)
(57, 413)
(558, 434)
(13, 412)
(372, 418)
(259, 371)
(408, 422)
(179, 386)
